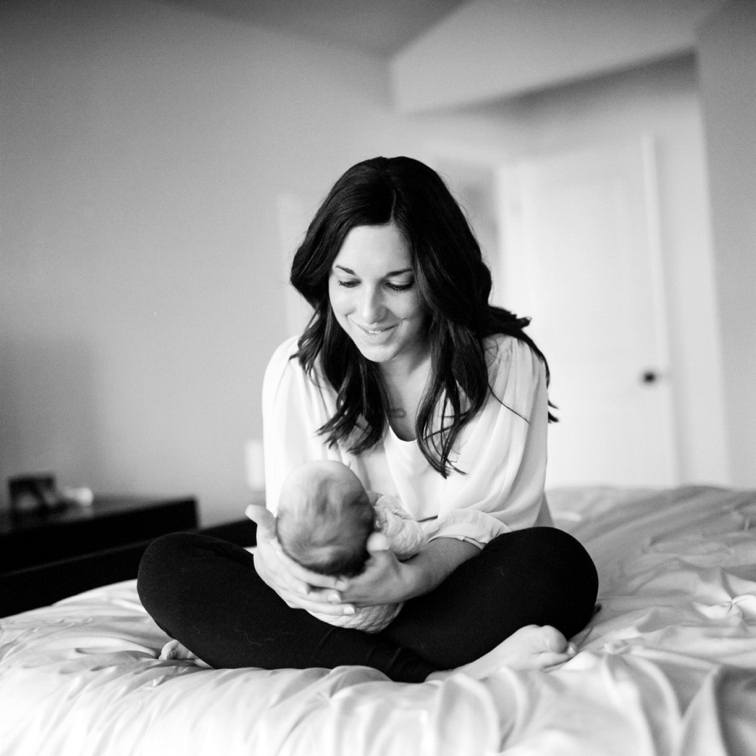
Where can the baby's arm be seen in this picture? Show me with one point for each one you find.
(175, 650)
(406, 536)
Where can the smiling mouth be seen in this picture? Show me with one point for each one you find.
(375, 331)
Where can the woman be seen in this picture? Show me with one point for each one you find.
(408, 375)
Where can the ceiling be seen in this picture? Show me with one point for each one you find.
(379, 27)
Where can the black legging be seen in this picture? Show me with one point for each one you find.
(206, 593)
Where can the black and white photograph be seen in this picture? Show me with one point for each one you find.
(378, 377)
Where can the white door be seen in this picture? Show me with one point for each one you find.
(581, 256)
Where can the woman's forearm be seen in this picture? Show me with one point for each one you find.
(389, 581)
(435, 563)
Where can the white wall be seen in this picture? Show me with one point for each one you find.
(727, 44)
(144, 150)
(503, 48)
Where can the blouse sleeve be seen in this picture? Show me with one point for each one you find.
(502, 452)
(293, 408)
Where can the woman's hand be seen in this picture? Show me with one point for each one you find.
(298, 587)
(386, 580)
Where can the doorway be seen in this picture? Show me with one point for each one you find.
(580, 254)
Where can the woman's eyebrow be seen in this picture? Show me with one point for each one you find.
(390, 274)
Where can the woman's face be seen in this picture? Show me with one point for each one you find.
(375, 297)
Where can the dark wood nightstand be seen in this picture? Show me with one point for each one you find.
(75, 550)
(109, 522)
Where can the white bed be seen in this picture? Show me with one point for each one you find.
(667, 667)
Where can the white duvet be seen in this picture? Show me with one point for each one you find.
(667, 667)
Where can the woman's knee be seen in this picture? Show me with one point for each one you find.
(165, 554)
(553, 563)
(547, 546)
(165, 568)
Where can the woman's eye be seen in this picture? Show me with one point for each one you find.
(401, 287)
(350, 284)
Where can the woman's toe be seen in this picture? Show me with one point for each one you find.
(554, 640)
(169, 650)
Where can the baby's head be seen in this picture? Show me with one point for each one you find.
(325, 519)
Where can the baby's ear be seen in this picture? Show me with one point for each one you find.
(378, 542)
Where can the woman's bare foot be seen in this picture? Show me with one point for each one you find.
(531, 647)
(175, 650)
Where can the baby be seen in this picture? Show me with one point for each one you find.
(324, 520)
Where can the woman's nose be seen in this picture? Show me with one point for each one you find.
(371, 306)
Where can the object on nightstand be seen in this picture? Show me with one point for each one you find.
(82, 497)
(34, 495)
(110, 522)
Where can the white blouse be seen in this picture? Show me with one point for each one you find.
(502, 451)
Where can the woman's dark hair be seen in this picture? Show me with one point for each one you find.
(454, 284)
